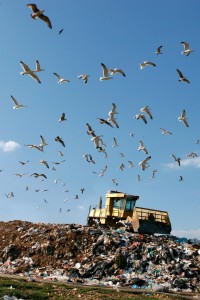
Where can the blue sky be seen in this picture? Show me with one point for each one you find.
(120, 34)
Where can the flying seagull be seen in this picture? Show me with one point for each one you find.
(36, 175)
(84, 77)
(60, 79)
(181, 77)
(103, 121)
(113, 109)
(37, 13)
(178, 160)
(116, 70)
(62, 118)
(142, 147)
(186, 49)
(115, 144)
(16, 104)
(146, 110)
(183, 118)
(158, 51)
(33, 146)
(43, 142)
(60, 31)
(144, 164)
(38, 67)
(105, 73)
(44, 162)
(141, 116)
(29, 72)
(164, 131)
(58, 139)
(131, 165)
(192, 154)
(147, 63)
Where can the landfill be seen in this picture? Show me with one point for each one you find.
(99, 256)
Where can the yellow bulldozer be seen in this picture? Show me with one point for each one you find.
(120, 210)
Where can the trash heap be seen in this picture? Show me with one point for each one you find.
(75, 253)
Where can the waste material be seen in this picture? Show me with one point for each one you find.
(99, 256)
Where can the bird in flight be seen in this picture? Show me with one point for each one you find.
(38, 67)
(116, 70)
(105, 73)
(43, 142)
(147, 63)
(142, 147)
(84, 77)
(144, 164)
(164, 131)
(181, 77)
(103, 121)
(141, 116)
(60, 79)
(44, 162)
(158, 51)
(38, 13)
(58, 139)
(178, 160)
(16, 104)
(28, 71)
(60, 31)
(186, 49)
(146, 110)
(62, 118)
(36, 175)
(183, 118)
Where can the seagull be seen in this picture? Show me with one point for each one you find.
(105, 73)
(44, 162)
(103, 171)
(62, 118)
(37, 13)
(131, 134)
(36, 175)
(147, 63)
(60, 79)
(187, 50)
(97, 140)
(158, 51)
(103, 121)
(116, 70)
(122, 155)
(112, 119)
(192, 154)
(82, 190)
(9, 195)
(90, 131)
(38, 68)
(28, 71)
(181, 77)
(146, 109)
(113, 109)
(183, 118)
(84, 77)
(115, 143)
(20, 174)
(16, 104)
(121, 167)
(114, 181)
(197, 142)
(153, 174)
(60, 31)
(144, 164)
(164, 131)
(178, 160)
(142, 147)
(34, 146)
(138, 178)
(61, 154)
(77, 197)
(23, 162)
(43, 142)
(27, 188)
(180, 178)
(58, 139)
(91, 159)
(131, 165)
(141, 116)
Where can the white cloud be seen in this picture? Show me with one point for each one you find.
(9, 146)
(190, 234)
(190, 162)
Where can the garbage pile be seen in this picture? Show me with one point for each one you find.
(80, 254)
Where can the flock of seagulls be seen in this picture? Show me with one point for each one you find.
(110, 120)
